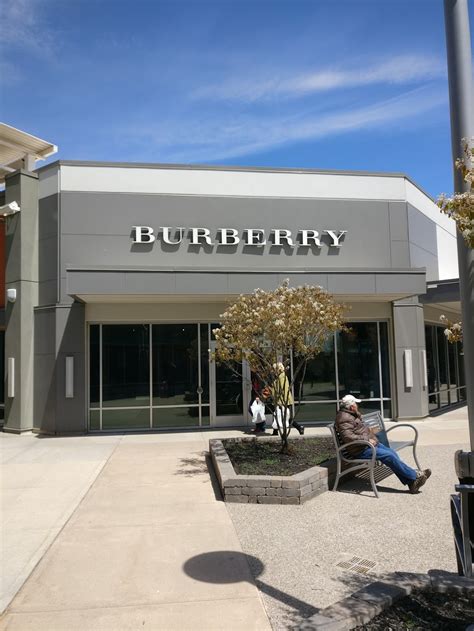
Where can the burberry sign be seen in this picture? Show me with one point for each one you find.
(231, 236)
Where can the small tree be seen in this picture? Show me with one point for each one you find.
(460, 206)
(452, 330)
(268, 328)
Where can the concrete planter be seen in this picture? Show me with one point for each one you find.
(268, 489)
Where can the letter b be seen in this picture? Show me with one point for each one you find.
(143, 234)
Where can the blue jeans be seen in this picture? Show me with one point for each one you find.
(393, 461)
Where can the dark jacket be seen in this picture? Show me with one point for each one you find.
(349, 426)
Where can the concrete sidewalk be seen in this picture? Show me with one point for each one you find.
(42, 480)
(398, 532)
(150, 546)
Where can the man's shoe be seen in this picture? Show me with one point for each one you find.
(301, 430)
(415, 486)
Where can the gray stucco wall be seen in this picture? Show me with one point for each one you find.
(59, 333)
(48, 209)
(96, 230)
(423, 242)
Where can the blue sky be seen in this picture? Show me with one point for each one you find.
(355, 84)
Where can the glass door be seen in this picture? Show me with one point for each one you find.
(230, 393)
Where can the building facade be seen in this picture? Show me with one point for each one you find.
(122, 272)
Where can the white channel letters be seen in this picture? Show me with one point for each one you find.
(231, 236)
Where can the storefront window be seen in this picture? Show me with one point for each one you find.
(94, 366)
(385, 361)
(445, 369)
(442, 366)
(318, 383)
(147, 376)
(126, 419)
(205, 345)
(316, 412)
(125, 365)
(358, 363)
(175, 364)
(176, 417)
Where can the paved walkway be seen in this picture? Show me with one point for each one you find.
(296, 549)
(128, 532)
(42, 480)
(148, 547)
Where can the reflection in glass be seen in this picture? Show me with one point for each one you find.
(453, 395)
(175, 363)
(205, 415)
(461, 373)
(94, 420)
(125, 365)
(358, 361)
(229, 399)
(452, 364)
(205, 346)
(319, 380)
(94, 365)
(369, 406)
(385, 360)
(176, 417)
(316, 412)
(442, 360)
(431, 353)
(444, 397)
(387, 409)
(126, 419)
(433, 402)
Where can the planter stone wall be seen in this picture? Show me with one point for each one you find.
(268, 489)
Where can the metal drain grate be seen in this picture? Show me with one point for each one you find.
(357, 564)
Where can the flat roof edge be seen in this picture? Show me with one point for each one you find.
(230, 168)
(217, 167)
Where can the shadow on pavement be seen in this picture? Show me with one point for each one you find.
(227, 566)
(200, 465)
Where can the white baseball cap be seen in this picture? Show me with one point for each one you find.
(349, 399)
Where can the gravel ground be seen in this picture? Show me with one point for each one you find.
(299, 546)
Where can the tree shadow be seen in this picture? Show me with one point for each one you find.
(200, 465)
(226, 566)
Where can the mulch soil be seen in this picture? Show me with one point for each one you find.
(425, 611)
(264, 458)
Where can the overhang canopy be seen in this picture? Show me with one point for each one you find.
(19, 150)
(102, 284)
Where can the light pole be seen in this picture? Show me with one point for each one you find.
(458, 46)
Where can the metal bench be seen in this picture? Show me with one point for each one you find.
(348, 464)
(462, 516)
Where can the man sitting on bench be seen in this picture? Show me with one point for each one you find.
(350, 427)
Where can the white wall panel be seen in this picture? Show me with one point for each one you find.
(230, 183)
(447, 254)
(424, 204)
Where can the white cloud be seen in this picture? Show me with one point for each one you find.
(221, 137)
(399, 70)
(21, 27)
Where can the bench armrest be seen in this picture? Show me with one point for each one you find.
(360, 442)
(404, 425)
(467, 488)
